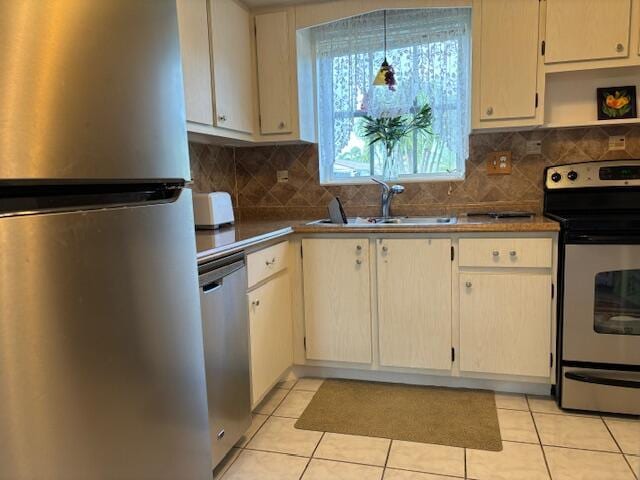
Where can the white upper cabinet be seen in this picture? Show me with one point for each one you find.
(274, 72)
(196, 60)
(215, 43)
(337, 299)
(505, 63)
(578, 30)
(414, 302)
(232, 72)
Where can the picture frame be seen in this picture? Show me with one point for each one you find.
(616, 103)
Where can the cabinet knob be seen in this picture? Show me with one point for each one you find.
(222, 118)
(255, 303)
(281, 125)
(269, 263)
(385, 249)
(359, 248)
(619, 47)
(513, 253)
(468, 284)
(495, 253)
(358, 262)
(490, 111)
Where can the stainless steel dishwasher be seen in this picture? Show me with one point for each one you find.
(225, 325)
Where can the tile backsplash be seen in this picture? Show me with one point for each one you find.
(249, 174)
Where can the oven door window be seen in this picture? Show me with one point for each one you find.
(617, 302)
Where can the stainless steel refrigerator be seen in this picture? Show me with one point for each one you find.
(101, 352)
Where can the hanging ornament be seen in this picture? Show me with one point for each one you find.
(386, 75)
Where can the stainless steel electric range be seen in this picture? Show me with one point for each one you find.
(598, 207)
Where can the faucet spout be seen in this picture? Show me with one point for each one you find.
(388, 192)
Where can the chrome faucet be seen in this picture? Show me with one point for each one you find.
(387, 195)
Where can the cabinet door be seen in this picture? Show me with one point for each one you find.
(414, 303)
(505, 323)
(274, 72)
(270, 328)
(232, 72)
(587, 30)
(193, 26)
(337, 299)
(509, 59)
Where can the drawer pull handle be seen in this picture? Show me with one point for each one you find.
(385, 249)
(359, 247)
(269, 263)
(358, 262)
(222, 118)
(468, 284)
(495, 253)
(490, 111)
(256, 303)
(513, 253)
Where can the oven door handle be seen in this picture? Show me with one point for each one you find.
(613, 382)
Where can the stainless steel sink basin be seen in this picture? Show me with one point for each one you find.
(404, 221)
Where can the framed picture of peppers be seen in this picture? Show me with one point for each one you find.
(615, 103)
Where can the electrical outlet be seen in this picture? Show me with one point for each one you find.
(499, 163)
(617, 142)
(534, 147)
(282, 176)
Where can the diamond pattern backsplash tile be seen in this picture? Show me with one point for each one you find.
(250, 175)
(213, 169)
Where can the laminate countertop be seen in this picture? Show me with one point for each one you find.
(212, 244)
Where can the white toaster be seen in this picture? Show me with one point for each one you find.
(212, 209)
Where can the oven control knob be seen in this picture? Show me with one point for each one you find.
(572, 175)
(556, 177)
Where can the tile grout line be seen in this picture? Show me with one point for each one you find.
(311, 457)
(612, 435)
(624, 457)
(465, 462)
(386, 460)
(535, 426)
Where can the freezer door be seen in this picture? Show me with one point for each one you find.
(91, 90)
(101, 350)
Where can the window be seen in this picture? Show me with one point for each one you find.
(429, 49)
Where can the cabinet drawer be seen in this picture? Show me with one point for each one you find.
(506, 252)
(264, 263)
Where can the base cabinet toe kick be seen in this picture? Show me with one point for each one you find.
(418, 308)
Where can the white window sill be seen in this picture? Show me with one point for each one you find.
(400, 179)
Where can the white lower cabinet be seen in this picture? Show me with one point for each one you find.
(414, 302)
(492, 302)
(337, 299)
(271, 337)
(505, 323)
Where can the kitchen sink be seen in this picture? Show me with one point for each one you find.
(379, 221)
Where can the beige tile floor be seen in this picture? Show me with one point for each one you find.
(540, 442)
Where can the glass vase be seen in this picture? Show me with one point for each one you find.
(390, 164)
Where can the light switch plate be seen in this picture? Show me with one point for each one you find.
(534, 147)
(499, 163)
(617, 142)
(282, 176)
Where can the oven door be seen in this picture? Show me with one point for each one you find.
(601, 317)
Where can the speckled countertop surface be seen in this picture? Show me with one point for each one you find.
(212, 244)
(464, 224)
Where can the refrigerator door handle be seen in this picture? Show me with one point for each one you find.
(212, 287)
(613, 382)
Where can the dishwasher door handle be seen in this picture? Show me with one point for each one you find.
(211, 287)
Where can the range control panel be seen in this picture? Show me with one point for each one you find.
(614, 173)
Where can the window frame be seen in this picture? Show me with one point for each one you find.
(326, 171)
